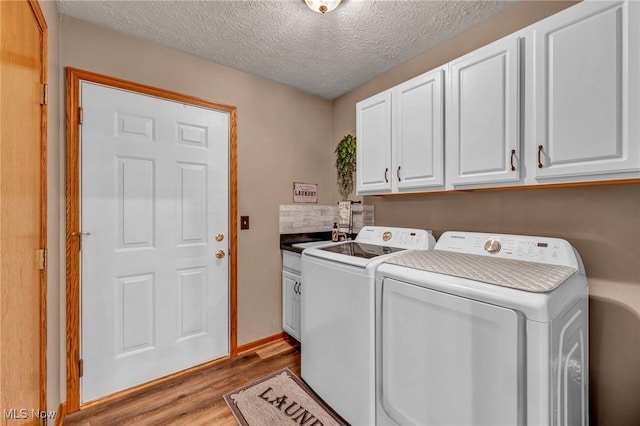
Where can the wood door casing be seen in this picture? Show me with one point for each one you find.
(73, 79)
(23, 213)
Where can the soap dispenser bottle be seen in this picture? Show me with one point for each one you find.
(334, 232)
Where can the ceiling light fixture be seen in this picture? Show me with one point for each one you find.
(322, 6)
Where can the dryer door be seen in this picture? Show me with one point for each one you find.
(447, 360)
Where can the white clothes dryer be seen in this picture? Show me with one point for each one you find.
(485, 329)
(338, 316)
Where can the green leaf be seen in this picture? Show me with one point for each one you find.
(346, 164)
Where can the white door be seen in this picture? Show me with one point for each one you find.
(483, 137)
(373, 150)
(586, 68)
(419, 132)
(154, 194)
(447, 360)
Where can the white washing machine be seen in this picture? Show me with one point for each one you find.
(338, 316)
(485, 329)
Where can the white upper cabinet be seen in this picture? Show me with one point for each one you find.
(557, 102)
(401, 137)
(483, 114)
(373, 147)
(586, 92)
(418, 133)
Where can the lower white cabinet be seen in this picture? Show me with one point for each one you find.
(291, 291)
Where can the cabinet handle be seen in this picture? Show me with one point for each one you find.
(295, 287)
(398, 174)
(539, 156)
(386, 175)
(513, 153)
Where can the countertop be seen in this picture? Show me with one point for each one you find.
(288, 240)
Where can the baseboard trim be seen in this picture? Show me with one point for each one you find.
(60, 414)
(257, 344)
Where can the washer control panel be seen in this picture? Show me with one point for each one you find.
(554, 251)
(406, 238)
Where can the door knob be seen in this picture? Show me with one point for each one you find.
(219, 237)
(80, 234)
(220, 254)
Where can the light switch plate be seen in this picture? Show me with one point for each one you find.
(244, 222)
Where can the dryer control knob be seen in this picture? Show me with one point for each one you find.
(492, 246)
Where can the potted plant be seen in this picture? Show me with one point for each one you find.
(346, 164)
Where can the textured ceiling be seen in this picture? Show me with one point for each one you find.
(283, 40)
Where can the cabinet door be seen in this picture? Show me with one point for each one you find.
(297, 309)
(418, 132)
(586, 104)
(483, 137)
(373, 122)
(291, 304)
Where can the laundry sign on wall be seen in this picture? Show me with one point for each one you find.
(305, 192)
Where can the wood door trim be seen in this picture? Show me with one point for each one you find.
(73, 78)
(61, 414)
(44, 79)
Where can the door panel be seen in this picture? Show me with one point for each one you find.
(135, 322)
(374, 144)
(291, 304)
(155, 192)
(23, 216)
(483, 114)
(585, 110)
(419, 129)
(135, 196)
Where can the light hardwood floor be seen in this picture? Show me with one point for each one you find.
(194, 398)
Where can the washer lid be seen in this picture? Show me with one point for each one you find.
(356, 249)
(517, 274)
